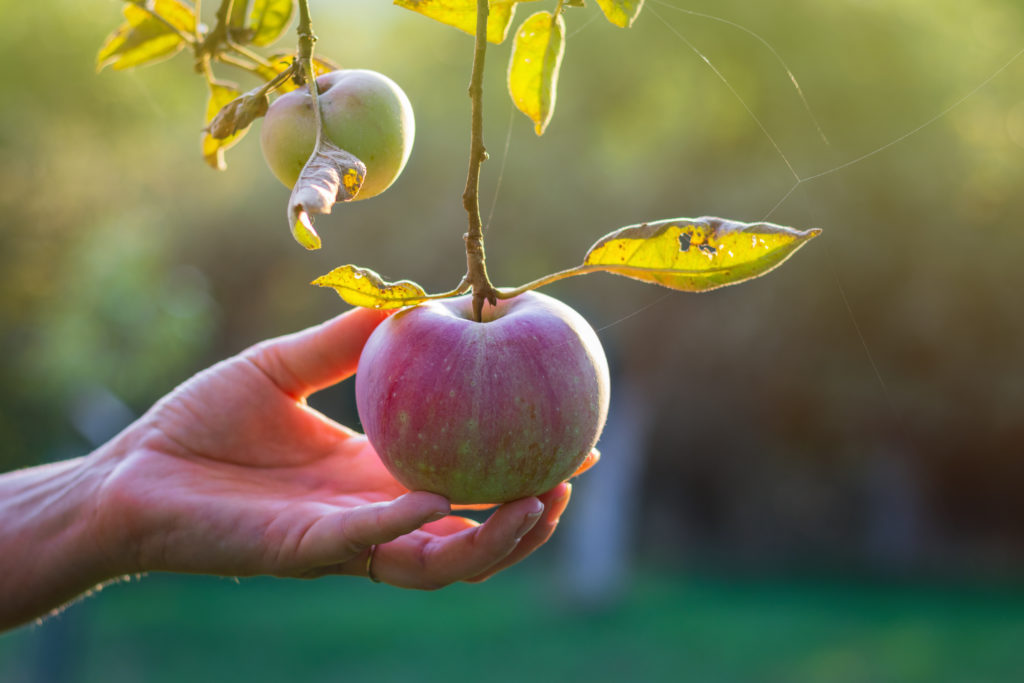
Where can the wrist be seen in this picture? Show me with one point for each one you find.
(48, 552)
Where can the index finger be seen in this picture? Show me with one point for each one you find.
(304, 362)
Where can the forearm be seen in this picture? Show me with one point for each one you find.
(48, 554)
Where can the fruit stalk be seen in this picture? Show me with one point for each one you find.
(476, 265)
(304, 56)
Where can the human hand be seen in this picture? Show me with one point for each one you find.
(233, 473)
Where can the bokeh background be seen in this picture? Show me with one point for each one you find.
(815, 476)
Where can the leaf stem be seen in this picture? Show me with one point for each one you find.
(247, 53)
(238, 63)
(476, 266)
(461, 289)
(546, 280)
(214, 42)
(198, 9)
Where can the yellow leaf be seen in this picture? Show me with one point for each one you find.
(363, 287)
(269, 19)
(622, 13)
(462, 15)
(178, 14)
(533, 68)
(303, 231)
(145, 38)
(696, 254)
(221, 94)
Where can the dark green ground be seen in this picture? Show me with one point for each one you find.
(516, 628)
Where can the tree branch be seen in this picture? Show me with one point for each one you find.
(476, 273)
(304, 56)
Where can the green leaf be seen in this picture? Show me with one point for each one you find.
(696, 254)
(363, 287)
(331, 175)
(462, 15)
(533, 67)
(269, 20)
(221, 95)
(149, 34)
(622, 13)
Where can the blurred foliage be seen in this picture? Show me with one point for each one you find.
(876, 381)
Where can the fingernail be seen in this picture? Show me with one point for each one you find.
(529, 522)
(436, 516)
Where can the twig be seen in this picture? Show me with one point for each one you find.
(304, 56)
(476, 266)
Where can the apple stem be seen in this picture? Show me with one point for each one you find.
(476, 265)
(304, 57)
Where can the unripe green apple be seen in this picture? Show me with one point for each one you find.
(483, 412)
(365, 113)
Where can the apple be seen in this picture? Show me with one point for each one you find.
(365, 113)
(483, 412)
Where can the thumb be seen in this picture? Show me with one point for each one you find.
(317, 357)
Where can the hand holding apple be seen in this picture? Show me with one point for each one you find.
(483, 412)
(234, 474)
(365, 113)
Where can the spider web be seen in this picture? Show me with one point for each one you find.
(667, 14)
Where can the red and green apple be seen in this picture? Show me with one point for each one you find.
(483, 412)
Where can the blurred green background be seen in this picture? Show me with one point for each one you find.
(811, 477)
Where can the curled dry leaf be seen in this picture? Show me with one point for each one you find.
(222, 93)
(364, 287)
(331, 175)
(238, 114)
(695, 254)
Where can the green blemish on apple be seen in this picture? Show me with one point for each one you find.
(464, 448)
